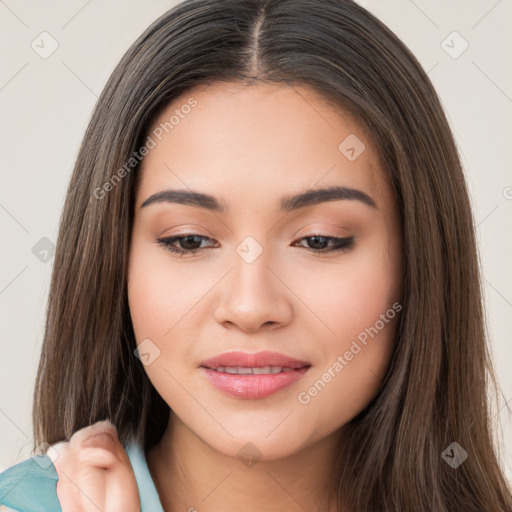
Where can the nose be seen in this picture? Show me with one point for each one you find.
(254, 296)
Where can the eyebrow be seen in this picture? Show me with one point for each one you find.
(288, 203)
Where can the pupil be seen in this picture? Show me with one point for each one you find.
(314, 240)
(185, 241)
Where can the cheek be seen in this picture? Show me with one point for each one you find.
(157, 308)
(349, 296)
(163, 301)
(159, 297)
(359, 303)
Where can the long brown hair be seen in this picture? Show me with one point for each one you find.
(435, 391)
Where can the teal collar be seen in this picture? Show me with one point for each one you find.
(149, 500)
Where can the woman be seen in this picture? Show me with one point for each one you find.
(266, 278)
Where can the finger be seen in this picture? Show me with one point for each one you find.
(95, 471)
(96, 428)
(103, 449)
(80, 465)
(122, 492)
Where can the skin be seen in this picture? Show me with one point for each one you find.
(94, 472)
(249, 146)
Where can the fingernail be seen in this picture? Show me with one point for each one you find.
(106, 423)
(101, 440)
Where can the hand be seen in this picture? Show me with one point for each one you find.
(95, 472)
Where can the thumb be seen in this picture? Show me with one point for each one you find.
(121, 491)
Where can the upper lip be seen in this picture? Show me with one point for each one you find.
(254, 360)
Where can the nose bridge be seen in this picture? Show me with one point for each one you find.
(254, 295)
(252, 277)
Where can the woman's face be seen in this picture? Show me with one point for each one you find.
(262, 278)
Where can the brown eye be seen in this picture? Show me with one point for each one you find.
(319, 243)
(189, 243)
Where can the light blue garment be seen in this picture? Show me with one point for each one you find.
(31, 485)
(149, 500)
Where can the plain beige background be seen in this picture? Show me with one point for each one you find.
(46, 104)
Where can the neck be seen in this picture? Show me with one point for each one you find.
(192, 476)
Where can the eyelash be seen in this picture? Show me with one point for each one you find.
(343, 244)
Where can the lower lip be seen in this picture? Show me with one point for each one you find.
(252, 387)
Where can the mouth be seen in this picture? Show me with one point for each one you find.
(253, 376)
(256, 370)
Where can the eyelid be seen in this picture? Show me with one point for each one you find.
(321, 230)
(187, 229)
(333, 230)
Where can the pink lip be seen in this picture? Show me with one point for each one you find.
(255, 360)
(250, 386)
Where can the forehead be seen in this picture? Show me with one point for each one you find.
(241, 141)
